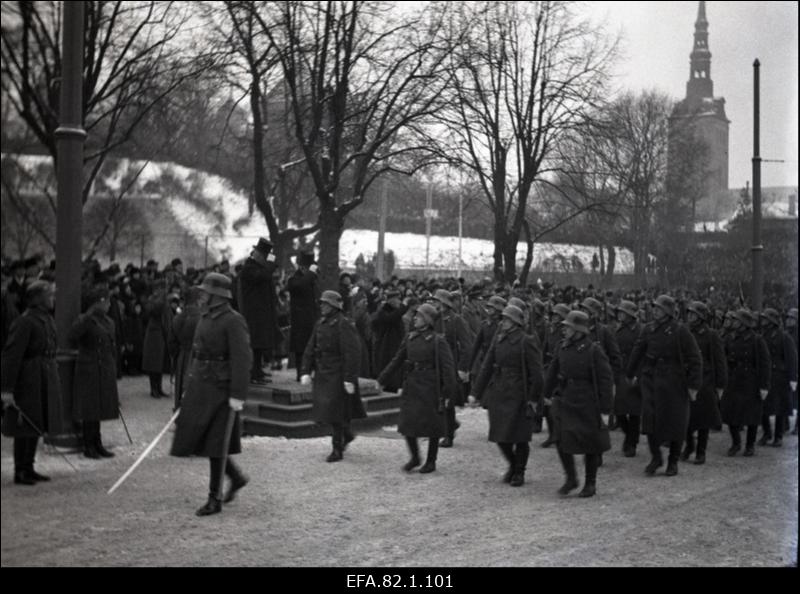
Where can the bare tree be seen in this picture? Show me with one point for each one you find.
(527, 73)
(361, 78)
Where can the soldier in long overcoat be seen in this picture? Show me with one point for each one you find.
(671, 375)
(580, 382)
(553, 338)
(460, 338)
(783, 379)
(749, 373)
(155, 354)
(256, 301)
(215, 391)
(303, 306)
(181, 339)
(31, 389)
(334, 355)
(486, 332)
(94, 391)
(704, 412)
(510, 385)
(791, 329)
(628, 397)
(430, 381)
(388, 332)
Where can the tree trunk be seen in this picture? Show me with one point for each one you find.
(526, 267)
(499, 248)
(612, 260)
(331, 227)
(602, 260)
(510, 258)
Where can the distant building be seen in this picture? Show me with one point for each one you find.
(704, 115)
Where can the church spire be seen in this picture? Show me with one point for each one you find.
(700, 84)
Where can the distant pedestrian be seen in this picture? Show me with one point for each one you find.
(303, 306)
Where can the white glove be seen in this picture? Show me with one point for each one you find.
(604, 418)
(400, 391)
(353, 291)
(793, 386)
(720, 392)
(305, 380)
(349, 388)
(692, 395)
(472, 402)
(763, 394)
(463, 376)
(8, 398)
(548, 401)
(313, 268)
(236, 404)
(634, 379)
(270, 257)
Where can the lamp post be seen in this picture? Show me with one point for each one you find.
(756, 293)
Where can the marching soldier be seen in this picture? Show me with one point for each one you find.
(208, 424)
(486, 332)
(430, 381)
(458, 336)
(553, 338)
(791, 329)
(30, 383)
(671, 375)
(581, 406)
(333, 353)
(511, 377)
(704, 411)
(749, 370)
(628, 397)
(783, 379)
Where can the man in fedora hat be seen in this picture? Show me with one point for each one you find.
(216, 388)
(303, 305)
(256, 300)
(783, 380)
(333, 353)
(671, 374)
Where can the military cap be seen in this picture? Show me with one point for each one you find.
(514, 314)
(792, 314)
(215, 283)
(746, 317)
(332, 298)
(497, 303)
(578, 321)
(629, 308)
(699, 308)
(517, 302)
(428, 313)
(771, 316)
(666, 304)
(305, 258)
(593, 305)
(443, 296)
(561, 310)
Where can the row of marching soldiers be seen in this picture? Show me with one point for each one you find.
(670, 381)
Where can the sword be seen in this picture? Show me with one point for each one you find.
(124, 424)
(226, 446)
(144, 453)
(42, 434)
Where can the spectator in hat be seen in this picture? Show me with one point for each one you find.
(303, 306)
(347, 290)
(333, 354)
(388, 332)
(31, 389)
(94, 392)
(216, 388)
(256, 301)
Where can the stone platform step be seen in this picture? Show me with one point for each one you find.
(308, 428)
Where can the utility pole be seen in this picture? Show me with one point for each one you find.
(70, 137)
(758, 249)
(428, 219)
(381, 264)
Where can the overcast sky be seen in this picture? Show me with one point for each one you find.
(658, 38)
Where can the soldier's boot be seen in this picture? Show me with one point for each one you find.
(104, 453)
(238, 481)
(613, 422)
(520, 462)
(348, 437)
(688, 449)
(702, 444)
(750, 444)
(568, 463)
(767, 434)
(450, 428)
(413, 447)
(23, 477)
(430, 461)
(337, 444)
(779, 428)
(589, 486)
(794, 431)
(508, 454)
(212, 506)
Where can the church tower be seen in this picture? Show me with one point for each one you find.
(704, 115)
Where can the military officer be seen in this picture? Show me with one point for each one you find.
(486, 332)
(671, 375)
(216, 390)
(333, 353)
(783, 379)
(553, 338)
(628, 397)
(430, 381)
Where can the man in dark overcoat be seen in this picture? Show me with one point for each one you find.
(31, 390)
(334, 355)
(580, 382)
(181, 339)
(215, 392)
(749, 375)
(304, 306)
(458, 335)
(704, 411)
(628, 397)
(429, 382)
(94, 393)
(155, 354)
(783, 379)
(486, 331)
(671, 375)
(256, 301)
(388, 332)
(553, 338)
(791, 329)
(510, 386)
